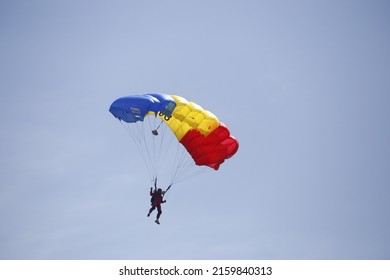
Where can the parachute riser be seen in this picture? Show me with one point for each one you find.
(155, 185)
(167, 189)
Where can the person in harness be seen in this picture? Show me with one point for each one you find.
(156, 201)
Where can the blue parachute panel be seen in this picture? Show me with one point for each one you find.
(134, 108)
(166, 104)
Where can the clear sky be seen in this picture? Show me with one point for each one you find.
(303, 85)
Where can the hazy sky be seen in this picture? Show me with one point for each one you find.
(303, 85)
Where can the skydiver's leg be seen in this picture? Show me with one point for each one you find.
(159, 211)
(151, 210)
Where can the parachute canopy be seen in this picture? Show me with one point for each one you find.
(206, 139)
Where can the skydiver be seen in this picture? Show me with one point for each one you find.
(157, 198)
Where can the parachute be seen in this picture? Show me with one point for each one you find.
(155, 121)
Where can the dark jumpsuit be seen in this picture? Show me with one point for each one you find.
(157, 199)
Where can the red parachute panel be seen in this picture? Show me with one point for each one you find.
(210, 150)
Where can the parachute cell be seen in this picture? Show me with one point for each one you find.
(189, 116)
(211, 150)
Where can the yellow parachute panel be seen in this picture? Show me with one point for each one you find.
(190, 116)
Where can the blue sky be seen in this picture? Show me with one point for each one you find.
(303, 85)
